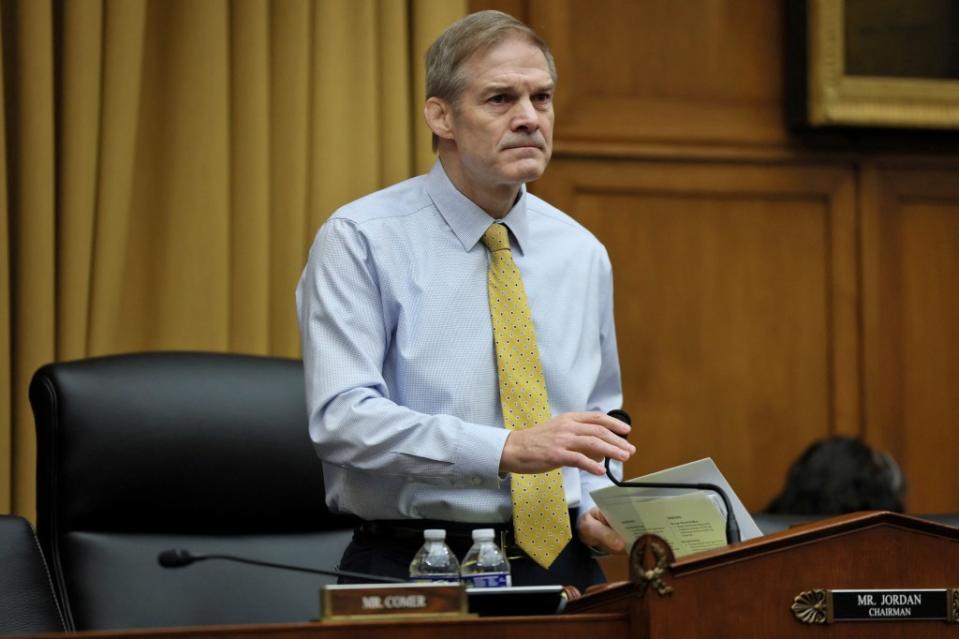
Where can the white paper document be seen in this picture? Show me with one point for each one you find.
(689, 519)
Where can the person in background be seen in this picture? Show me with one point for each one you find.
(840, 475)
(458, 337)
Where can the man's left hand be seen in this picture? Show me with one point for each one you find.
(595, 531)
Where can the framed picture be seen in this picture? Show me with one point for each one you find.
(881, 63)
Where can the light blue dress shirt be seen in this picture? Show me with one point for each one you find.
(398, 348)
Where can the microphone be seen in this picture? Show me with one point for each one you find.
(180, 557)
(732, 526)
(175, 558)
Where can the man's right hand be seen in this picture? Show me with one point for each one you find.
(577, 440)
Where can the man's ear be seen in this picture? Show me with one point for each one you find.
(439, 117)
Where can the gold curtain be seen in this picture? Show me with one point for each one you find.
(166, 164)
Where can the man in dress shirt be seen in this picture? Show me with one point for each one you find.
(398, 347)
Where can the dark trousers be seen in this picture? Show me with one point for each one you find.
(389, 554)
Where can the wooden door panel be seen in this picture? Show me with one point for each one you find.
(911, 305)
(665, 71)
(735, 294)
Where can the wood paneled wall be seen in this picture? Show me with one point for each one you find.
(910, 239)
(770, 289)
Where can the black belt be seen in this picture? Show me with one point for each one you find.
(411, 532)
(458, 533)
(412, 529)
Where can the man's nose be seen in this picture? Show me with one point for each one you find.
(525, 116)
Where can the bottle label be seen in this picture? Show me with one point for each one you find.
(488, 580)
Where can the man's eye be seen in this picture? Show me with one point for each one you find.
(543, 98)
(498, 99)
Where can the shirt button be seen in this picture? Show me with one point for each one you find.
(477, 481)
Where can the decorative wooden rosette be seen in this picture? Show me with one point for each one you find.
(649, 562)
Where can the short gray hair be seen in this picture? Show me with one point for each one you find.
(475, 33)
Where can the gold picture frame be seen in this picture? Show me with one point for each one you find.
(837, 98)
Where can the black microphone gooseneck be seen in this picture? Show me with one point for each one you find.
(179, 557)
(732, 526)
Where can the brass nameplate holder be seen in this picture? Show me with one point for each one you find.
(919, 604)
(382, 602)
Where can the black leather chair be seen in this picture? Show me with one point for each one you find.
(27, 602)
(209, 452)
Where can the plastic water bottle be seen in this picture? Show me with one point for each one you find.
(434, 561)
(485, 565)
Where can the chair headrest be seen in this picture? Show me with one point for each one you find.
(164, 441)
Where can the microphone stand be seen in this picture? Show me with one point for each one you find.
(732, 526)
(178, 558)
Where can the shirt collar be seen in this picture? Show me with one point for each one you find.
(467, 220)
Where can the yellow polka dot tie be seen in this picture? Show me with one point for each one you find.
(540, 515)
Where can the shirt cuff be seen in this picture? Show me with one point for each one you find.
(589, 482)
(480, 451)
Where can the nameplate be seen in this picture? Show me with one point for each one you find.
(392, 601)
(918, 604)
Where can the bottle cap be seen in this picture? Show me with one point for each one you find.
(434, 534)
(483, 534)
